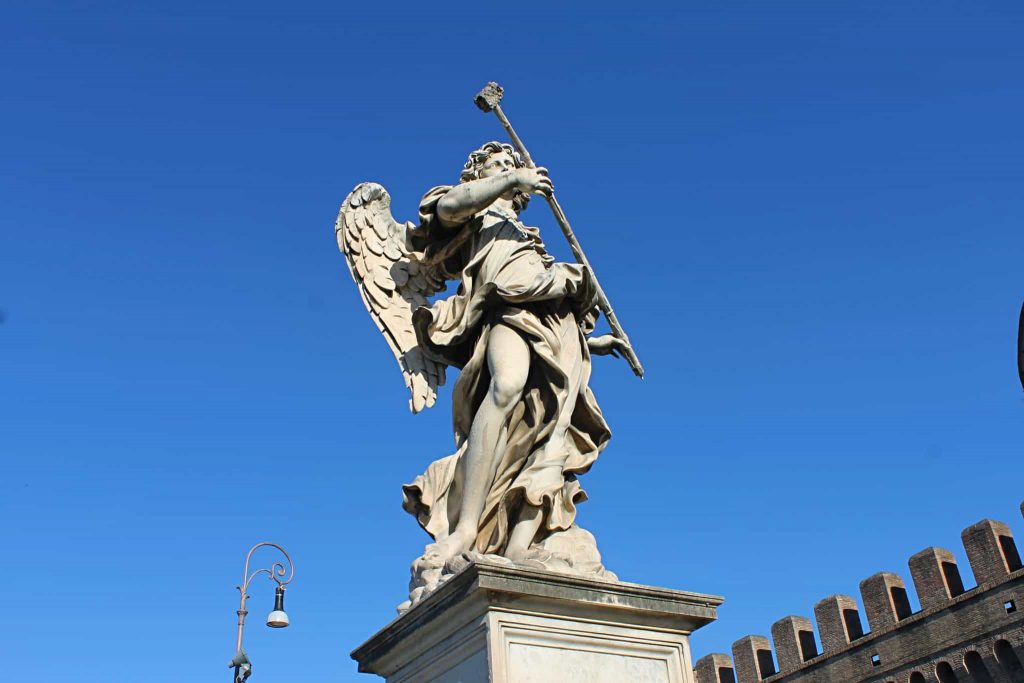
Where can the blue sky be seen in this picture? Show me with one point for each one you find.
(808, 216)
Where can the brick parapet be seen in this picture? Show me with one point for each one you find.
(794, 642)
(752, 657)
(715, 668)
(885, 600)
(990, 550)
(838, 622)
(936, 576)
(946, 639)
(952, 623)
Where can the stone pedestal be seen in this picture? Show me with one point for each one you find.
(498, 624)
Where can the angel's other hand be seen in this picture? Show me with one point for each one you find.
(606, 345)
(534, 181)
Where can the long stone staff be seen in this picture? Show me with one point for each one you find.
(489, 99)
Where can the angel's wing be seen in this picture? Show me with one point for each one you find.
(392, 283)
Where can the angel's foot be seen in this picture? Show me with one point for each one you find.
(533, 557)
(517, 555)
(452, 546)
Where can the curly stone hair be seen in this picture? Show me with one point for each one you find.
(477, 158)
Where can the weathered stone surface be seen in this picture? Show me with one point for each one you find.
(526, 425)
(507, 624)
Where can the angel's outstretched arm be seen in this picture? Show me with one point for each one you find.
(606, 345)
(463, 201)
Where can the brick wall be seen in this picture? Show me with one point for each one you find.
(974, 635)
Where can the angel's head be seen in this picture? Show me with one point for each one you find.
(493, 158)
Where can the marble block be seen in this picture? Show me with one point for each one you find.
(493, 623)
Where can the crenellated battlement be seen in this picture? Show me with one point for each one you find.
(959, 634)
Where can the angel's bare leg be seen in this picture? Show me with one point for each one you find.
(531, 516)
(508, 358)
(523, 533)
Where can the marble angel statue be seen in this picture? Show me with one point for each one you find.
(525, 420)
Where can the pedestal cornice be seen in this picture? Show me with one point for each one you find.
(456, 612)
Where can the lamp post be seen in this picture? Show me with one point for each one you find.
(276, 619)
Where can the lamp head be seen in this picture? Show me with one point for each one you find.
(278, 618)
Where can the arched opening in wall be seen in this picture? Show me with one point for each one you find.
(944, 672)
(953, 580)
(976, 668)
(917, 677)
(901, 602)
(1009, 661)
(1010, 553)
(726, 675)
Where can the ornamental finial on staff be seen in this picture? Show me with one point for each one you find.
(489, 100)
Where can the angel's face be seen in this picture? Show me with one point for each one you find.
(499, 162)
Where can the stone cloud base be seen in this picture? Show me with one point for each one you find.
(499, 624)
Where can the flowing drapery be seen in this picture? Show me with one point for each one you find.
(508, 278)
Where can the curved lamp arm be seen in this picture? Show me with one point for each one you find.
(278, 572)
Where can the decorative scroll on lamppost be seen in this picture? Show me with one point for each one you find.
(276, 619)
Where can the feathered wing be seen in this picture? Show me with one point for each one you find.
(392, 283)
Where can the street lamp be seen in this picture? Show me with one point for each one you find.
(276, 619)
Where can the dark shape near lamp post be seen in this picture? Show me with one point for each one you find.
(278, 618)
